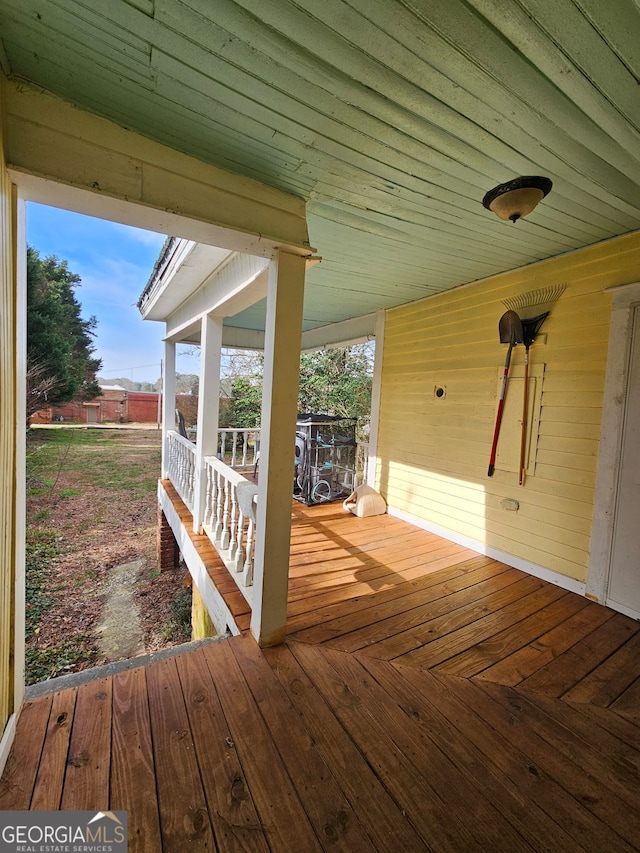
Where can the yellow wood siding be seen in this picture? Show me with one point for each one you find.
(433, 452)
(7, 441)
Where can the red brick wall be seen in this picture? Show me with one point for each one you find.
(111, 405)
(121, 407)
(166, 545)
(72, 411)
(42, 417)
(143, 407)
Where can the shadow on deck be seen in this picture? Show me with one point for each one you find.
(427, 698)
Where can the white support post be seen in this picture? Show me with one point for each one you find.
(20, 248)
(208, 409)
(376, 387)
(168, 401)
(283, 334)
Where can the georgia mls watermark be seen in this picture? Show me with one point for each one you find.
(63, 832)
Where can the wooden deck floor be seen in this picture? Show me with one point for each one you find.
(427, 698)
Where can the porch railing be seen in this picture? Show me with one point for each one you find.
(239, 448)
(229, 529)
(181, 466)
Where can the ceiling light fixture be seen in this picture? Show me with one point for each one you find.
(518, 197)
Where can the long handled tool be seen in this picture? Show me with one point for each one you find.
(530, 329)
(510, 329)
(533, 308)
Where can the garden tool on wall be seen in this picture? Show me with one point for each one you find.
(510, 329)
(533, 308)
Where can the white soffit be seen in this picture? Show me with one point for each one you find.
(237, 283)
(191, 264)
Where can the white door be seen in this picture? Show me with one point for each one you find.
(624, 579)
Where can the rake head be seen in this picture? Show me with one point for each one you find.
(535, 303)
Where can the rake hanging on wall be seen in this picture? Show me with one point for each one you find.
(533, 308)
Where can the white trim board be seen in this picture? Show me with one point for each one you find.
(376, 396)
(220, 614)
(105, 170)
(570, 584)
(6, 743)
(621, 608)
(625, 300)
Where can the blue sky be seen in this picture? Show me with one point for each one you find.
(114, 262)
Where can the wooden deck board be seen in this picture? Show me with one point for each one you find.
(434, 601)
(515, 667)
(384, 823)
(133, 772)
(432, 817)
(18, 779)
(491, 769)
(86, 780)
(551, 727)
(599, 811)
(360, 612)
(183, 813)
(231, 807)
(611, 679)
(628, 703)
(482, 654)
(445, 780)
(428, 698)
(47, 791)
(566, 671)
(521, 765)
(284, 820)
(326, 806)
(418, 629)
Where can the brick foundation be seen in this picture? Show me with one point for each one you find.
(167, 547)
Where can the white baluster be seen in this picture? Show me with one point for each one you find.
(208, 509)
(238, 548)
(224, 543)
(247, 570)
(233, 521)
(219, 506)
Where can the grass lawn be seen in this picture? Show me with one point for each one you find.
(91, 505)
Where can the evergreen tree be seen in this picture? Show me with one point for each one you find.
(60, 361)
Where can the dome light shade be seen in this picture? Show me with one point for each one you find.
(517, 198)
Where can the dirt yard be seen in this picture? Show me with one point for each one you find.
(91, 507)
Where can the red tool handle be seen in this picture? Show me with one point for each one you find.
(496, 430)
(496, 433)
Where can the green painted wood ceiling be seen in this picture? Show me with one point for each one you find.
(392, 118)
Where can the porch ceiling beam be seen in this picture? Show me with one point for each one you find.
(345, 333)
(237, 338)
(59, 154)
(238, 284)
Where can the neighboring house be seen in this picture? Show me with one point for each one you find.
(115, 405)
(378, 135)
(111, 405)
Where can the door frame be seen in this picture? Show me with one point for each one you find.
(626, 298)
